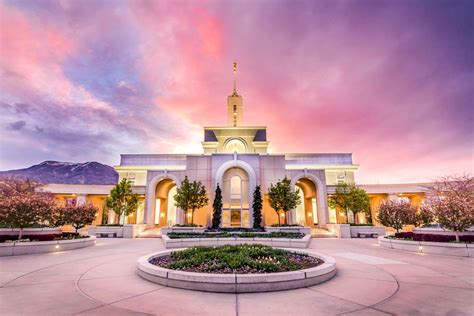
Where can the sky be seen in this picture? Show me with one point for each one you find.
(390, 81)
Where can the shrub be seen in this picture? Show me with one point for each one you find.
(395, 214)
(236, 259)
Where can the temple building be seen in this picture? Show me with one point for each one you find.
(236, 158)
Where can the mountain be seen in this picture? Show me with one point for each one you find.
(66, 173)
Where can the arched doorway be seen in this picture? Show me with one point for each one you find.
(307, 211)
(236, 202)
(314, 197)
(164, 211)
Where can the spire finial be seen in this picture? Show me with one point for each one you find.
(235, 78)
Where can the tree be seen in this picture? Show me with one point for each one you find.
(79, 216)
(350, 198)
(122, 200)
(395, 214)
(424, 216)
(282, 198)
(23, 210)
(191, 196)
(257, 207)
(57, 217)
(12, 186)
(454, 213)
(217, 208)
(451, 201)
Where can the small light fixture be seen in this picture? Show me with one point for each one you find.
(420, 248)
(189, 214)
(282, 215)
(310, 215)
(57, 247)
(162, 214)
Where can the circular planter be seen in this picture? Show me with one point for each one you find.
(437, 248)
(236, 283)
(34, 247)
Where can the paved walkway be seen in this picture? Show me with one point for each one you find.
(102, 280)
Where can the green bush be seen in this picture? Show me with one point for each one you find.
(236, 259)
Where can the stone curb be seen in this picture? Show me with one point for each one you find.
(275, 242)
(34, 247)
(236, 283)
(437, 248)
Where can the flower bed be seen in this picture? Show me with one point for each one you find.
(221, 264)
(183, 240)
(236, 259)
(432, 237)
(236, 234)
(289, 229)
(42, 237)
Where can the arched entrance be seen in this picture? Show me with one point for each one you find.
(307, 211)
(314, 200)
(236, 202)
(164, 211)
(247, 183)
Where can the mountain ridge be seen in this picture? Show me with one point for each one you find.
(58, 172)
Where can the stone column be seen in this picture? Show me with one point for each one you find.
(81, 199)
(393, 197)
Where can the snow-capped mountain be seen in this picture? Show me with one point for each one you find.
(66, 173)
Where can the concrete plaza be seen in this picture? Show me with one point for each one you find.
(102, 280)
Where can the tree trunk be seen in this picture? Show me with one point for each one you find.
(456, 233)
(278, 215)
(20, 234)
(192, 217)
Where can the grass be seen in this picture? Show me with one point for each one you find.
(242, 259)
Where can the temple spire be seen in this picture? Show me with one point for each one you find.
(235, 78)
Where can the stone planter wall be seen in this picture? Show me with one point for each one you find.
(34, 247)
(438, 248)
(379, 230)
(289, 229)
(96, 230)
(340, 230)
(125, 231)
(236, 283)
(173, 229)
(30, 231)
(275, 242)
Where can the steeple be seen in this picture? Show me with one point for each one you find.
(235, 79)
(234, 104)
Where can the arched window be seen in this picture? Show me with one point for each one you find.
(235, 188)
(235, 145)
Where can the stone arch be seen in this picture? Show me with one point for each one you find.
(252, 179)
(321, 196)
(150, 196)
(231, 139)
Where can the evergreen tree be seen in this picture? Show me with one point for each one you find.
(217, 208)
(257, 207)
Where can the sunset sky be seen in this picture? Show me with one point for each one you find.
(390, 81)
